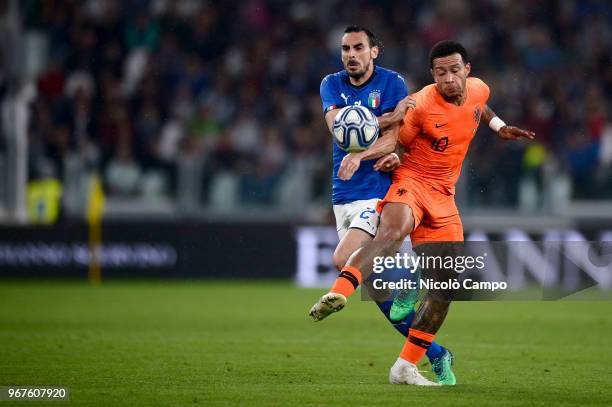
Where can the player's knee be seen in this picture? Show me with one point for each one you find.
(339, 259)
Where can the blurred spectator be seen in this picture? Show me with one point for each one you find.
(123, 173)
(581, 157)
(142, 32)
(234, 85)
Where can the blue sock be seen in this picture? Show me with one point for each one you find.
(434, 351)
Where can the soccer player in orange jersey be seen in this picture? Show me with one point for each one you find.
(420, 202)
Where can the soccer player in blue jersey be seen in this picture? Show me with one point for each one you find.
(384, 92)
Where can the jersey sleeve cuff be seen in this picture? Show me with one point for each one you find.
(332, 107)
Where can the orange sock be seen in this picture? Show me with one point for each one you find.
(347, 282)
(416, 345)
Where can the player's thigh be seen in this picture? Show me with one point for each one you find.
(351, 241)
(452, 231)
(443, 223)
(362, 220)
(341, 214)
(396, 222)
(363, 215)
(401, 210)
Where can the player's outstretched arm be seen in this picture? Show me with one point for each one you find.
(384, 145)
(386, 121)
(405, 132)
(329, 119)
(504, 131)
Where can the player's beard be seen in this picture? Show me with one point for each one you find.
(360, 73)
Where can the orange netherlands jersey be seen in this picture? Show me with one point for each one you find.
(437, 134)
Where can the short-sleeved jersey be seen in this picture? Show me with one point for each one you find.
(380, 93)
(437, 134)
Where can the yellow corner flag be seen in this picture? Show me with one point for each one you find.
(95, 210)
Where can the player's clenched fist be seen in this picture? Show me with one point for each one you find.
(400, 110)
(387, 163)
(406, 103)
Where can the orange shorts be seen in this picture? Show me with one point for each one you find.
(436, 217)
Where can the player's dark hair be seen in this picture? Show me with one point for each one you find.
(446, 48)
(372, 39)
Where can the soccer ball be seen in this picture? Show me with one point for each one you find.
(355, 129)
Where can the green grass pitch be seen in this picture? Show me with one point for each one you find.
(251, 343)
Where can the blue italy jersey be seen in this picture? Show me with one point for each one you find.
(380, 94)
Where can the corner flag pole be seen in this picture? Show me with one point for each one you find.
(95, 210)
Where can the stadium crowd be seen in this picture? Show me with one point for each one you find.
(137, 88)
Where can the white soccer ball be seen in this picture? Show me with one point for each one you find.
(355, 128)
